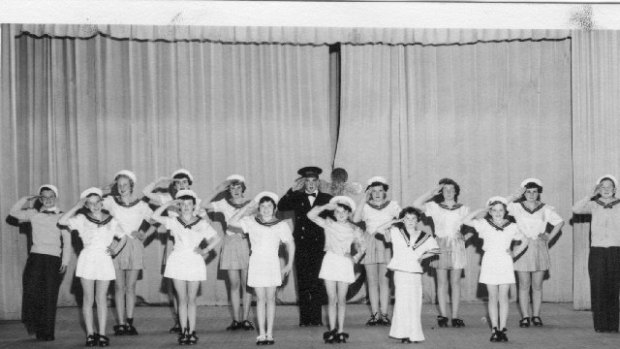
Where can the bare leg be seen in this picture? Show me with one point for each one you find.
(332, 300)
(260, 309)
(234, 283)
(493, 291)
(192, 292)
(270, 293)
(503, 304)
(455, 283)
(119, 294)
(102, 303)
(88, 287)
(132, 279)
(442, 291)
(537, 282)
(247, 295)
(181, 289)
(524, 292)
(343, 287)
(384, 288)
(372, 281)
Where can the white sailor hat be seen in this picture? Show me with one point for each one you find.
(376, 179)
(236, 177)
(50, 187)
(613, 179)
(531, 180)
(127, 174)
(184, 172)
(497, 199)
(343, 200)
(262, 194)
(91, 191)
(186, 192)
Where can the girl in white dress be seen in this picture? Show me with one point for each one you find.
(158, 193)
(235, 255)
(337, 266)
(95, 268)
(496, 269)
(266, 232)
(532, 217)
(375, 210)
(410, 246)
(441, 204)
(185, 265)
(130, 211)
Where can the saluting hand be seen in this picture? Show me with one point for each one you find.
(299, 184)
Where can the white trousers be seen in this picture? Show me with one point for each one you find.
(406, 321)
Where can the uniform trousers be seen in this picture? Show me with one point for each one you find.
(310, 289)
(604, 269)
(41, 282)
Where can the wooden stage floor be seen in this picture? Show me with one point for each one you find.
(564, 328)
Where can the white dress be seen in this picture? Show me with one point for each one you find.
(94, 263)
(264, 268)
(406, 321)
(129, 217)
(377, 250)
(183, 262)
(337, 264)
(497, 266)
(448, 222)
(533, 224)
(235, 254)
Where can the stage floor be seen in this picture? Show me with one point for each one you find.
(564, 328)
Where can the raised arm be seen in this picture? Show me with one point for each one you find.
(385, 229)
(314, 213)
(18, 211)
(219, 189)
(235, 220)
(159, 183)
(359, 211)
(157, 215)
(420, 202)
(516, 195)
(64, 219)
(286, 202)
(469, 219)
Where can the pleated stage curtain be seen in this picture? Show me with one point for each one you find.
(87, 108)
(487, 115)
(596, 130)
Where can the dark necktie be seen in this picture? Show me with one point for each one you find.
(313, 194)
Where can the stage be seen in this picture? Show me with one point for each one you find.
(564, 328)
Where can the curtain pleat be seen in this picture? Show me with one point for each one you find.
(596, 124)
(487, 115)
(89, 108)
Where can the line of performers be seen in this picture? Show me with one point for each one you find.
(331, 233)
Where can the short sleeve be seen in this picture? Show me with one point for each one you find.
(516, 234)
(76, 222)
(285, 232)
(430, 208)
(245, 223)
(208, 232)
(108, 203)
(216, 206)
(117, 228)
(552, 217)
(480, 227)
(430, 244)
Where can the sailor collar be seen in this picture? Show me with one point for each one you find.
(233, 204)
(454, 207)
(497, 227)
(267, 224)
(99, 223)
(188, 225)
(379, 207)
(608, 205)
(120, 202)
(532, 211)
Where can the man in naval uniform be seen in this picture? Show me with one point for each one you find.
(309, 241)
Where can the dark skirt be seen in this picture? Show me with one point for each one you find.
(41, 282)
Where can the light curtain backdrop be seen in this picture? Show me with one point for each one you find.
(487, 115)
(74, 111)
(90, 107)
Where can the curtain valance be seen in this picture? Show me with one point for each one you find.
(292, 35)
